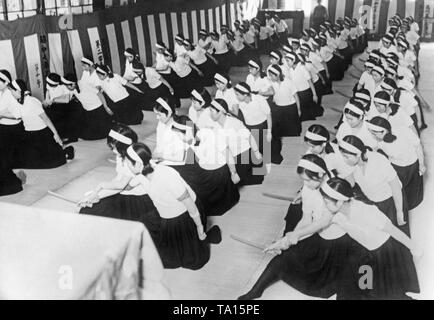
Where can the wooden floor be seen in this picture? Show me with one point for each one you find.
(234, 267)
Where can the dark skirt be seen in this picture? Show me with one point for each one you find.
(39, 150)
(286, 121)
(393, 273)
(412, 184)
(241, 58)
(336, 69)
(162, 91)
(389, 209)
(264, 46)
(126, 111)
(314, 265)
(10, 140)
(283, 38)
(259, 133)
(307, 105)
(244, 165)
(320, 89)
(214, 188)
(179, 245)
(66, 118)
(170, 77)
(95, 124)
(327, 88)
(293, 217)
(209, 69)
(348, 55)
(184, 86)
(138, 208)
(224, 62)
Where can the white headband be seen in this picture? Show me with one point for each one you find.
(121, 138)
(253, 64)
(381, 101)
(379, 70)
(314, 136)
(127, 54)
(181, 127)
(99, 70)
(218, 106)
(197, 96)
(354, 109)
(159, 46)
(16, 86)
(220, 78)
(4, 78)
(165, 105)
(273, 70)
(179, 38)
(66, 81)
(374, 127)
(349, 147)
(333, 193)
(274, 55)
(52, 82)
(87, 61)
(291, 56)
(287, 49)
(310, 166)
(242, 89)
(133, 155)
(360, 95)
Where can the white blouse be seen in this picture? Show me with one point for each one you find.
(91, 78)
(165, 195)
(212, 149)
(366, 224)
(170, 144)
(237, 135)
(220, 45)
(402, 151)
(201, 119)
(326, 53)
(229, 96)
(256, 111)
(153, 78)
(88, 96)
(58, 91)
(284, 92)
(300, 76)
(198, 55)
(114, 88)
(122, 170)
(9, 103)
(375, 177)
(316, 60)
(258, 84)
(31, 112)
(181, 66)
(313, 205)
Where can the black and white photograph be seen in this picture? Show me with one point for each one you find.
(200, 151)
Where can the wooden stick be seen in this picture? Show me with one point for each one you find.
(278, 197)
(342, 94)
(111, 161)
(335, 110)
(249, 243)
(353, 75)
(59, 196)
